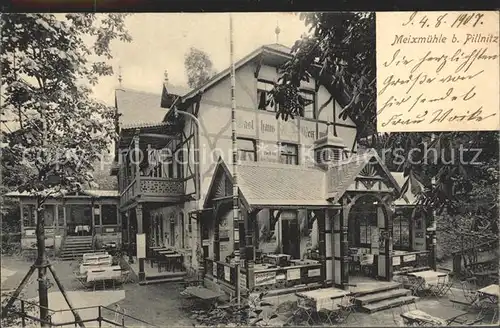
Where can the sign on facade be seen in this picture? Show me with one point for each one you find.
(141, 245)
(410, 258)
(227, 273)
(293, 274)
(265, 278)
(314, 273)
(396, 260)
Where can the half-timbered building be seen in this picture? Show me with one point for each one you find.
(310, 201)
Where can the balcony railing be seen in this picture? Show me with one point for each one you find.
(152, 187)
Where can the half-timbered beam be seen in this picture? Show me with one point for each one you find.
(259, 65)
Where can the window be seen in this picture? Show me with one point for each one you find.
(172, 232)
(179, 159)
(109, 214)
(181, 226)
(289, 154)
(309, 97)
(49, 212)
(246, 150)
(170, 169)
(360, 227)
(365, 232)
(263, 89)
(401, 233)
(97, 215)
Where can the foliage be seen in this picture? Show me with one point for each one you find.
(48, 68)
(14, 319)
(198, 66)
(339, 53)
(250, 312)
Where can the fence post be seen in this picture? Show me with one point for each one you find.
(237, 283)
(23, 320)
(99, 318)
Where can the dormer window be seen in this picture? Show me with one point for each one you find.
(264, 88)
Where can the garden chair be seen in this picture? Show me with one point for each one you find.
(119, 315)
(193, 278)
(415, 285)
(398, 310)
(346, 308)
(305, 305)
(81, 279)
(442, 287)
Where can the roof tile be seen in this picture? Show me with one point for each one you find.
(139, 108)
(272, 184)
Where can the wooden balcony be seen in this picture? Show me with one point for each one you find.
(152, 189)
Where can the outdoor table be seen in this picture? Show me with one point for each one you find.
(206, 296)
(82, 228)
(428, 277)
(491, 291)
(324, 298)
(95, 254)
(95, 262)
(105, 273)
(443, 318)
(169, 259)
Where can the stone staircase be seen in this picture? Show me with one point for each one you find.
(382, 296)
(75, 246)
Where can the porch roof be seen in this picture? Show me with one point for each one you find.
(84, 193)
(279, 184)
(264, 184)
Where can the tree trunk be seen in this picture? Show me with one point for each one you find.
(41, 262)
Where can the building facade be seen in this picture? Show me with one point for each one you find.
(92, 213)
(175, 150)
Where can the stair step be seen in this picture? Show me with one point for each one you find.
(76, 249)
(376, 297)
(160, 281)
(166, 275)
(390, 303)
(371, 288)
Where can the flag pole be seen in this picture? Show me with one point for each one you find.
(236, 216)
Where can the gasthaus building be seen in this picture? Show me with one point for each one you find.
(313, 208)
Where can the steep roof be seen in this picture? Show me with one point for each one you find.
(342, 175)
(281, 184)
(88, 192)
(269, 184)
(271, 49)
(138, 108)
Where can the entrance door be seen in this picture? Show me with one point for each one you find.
(290, 239)
(156, 230)
(79, 219)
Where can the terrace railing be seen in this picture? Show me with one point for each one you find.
(25, 314)
(411, 261)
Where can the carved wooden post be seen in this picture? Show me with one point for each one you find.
(344, 243)
(322, 243)
(216, 232)
(140, 247)
(249, 248)
(329, 259)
